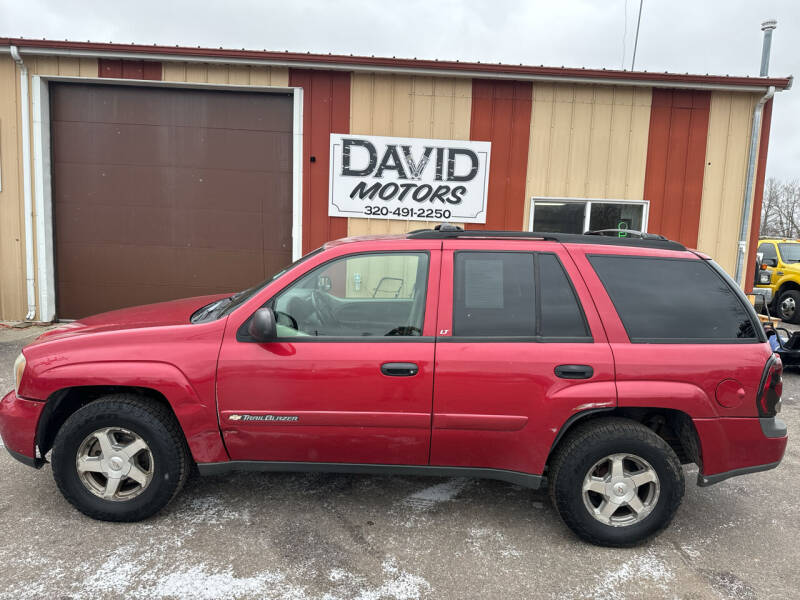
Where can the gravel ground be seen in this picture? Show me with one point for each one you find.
(295, 537)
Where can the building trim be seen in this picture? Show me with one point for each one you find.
(297, 174)
(758, 196)
(397, 65)
(27, 202)
(43, 199)
(42, 179)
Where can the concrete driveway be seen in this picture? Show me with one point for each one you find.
(283, 536)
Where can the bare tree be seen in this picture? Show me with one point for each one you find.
(780, 209)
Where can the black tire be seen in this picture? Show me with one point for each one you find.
(782, 310)
(591, 442)
(159, 429)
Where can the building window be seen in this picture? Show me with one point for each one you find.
(570, 215)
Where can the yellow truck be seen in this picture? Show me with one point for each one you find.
(778, 278)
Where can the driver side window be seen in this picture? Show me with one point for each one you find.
(768, 251)
(363, 295)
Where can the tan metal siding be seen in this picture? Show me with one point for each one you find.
(405, 106)
(225, 74)
(587, 142)
(723, 181)
(12, 242)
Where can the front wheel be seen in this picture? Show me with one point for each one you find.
(789, 307)
(615, 482)
(120, 458)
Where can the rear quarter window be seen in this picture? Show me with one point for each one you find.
(666, 300)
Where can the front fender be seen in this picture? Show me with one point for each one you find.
(780, 282)
(196, 414)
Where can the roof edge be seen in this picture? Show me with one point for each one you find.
(373, 63)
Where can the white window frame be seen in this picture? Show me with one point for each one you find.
(588, 211)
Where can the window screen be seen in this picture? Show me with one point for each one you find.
(561, 315)
(673, 300)
(494, 294)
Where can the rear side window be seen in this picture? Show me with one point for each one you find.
(515, 295)
(494, 294)
(561, 315)
(673, 300)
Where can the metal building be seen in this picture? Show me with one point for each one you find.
(133, 174)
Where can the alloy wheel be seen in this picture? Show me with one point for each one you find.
(621, 490)
(788, 308)
(114, 464)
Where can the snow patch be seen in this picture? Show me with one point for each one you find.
(400, 585)
(481, 537)
(436, 494)
(199, 583)
(690, 552)
(210, 510)
(615, 584)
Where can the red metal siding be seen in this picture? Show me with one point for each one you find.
(501, 114)
(676, 152)
(326, 110)
(758, 195)
(129, 69)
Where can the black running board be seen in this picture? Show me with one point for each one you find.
(516, 477)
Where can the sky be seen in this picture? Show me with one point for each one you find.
(699, 36)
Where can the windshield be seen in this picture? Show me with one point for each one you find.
(790, 253)
(220, 308)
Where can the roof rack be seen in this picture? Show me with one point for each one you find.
(447, 231)
(623, 233)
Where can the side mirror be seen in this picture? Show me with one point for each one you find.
(262, 326)
(770, 262)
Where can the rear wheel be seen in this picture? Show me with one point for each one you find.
(120, 458)
(615, 482)
(788, 308)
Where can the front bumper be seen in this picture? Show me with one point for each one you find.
(18, 420)
(738, 446)
(763, 291)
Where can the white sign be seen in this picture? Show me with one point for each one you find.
(408, 178)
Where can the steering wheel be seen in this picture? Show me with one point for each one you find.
(292, 320)
(323, 309)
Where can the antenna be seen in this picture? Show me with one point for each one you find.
(636, 42)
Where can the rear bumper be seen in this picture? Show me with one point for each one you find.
(738, 446)
(18, 420)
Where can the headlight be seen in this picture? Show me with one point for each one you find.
(19, 369)
(764, 276)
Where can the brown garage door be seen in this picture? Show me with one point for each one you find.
(163, 193)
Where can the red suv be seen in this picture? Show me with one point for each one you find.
(595, 365)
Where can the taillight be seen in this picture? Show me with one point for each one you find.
(771, 388)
